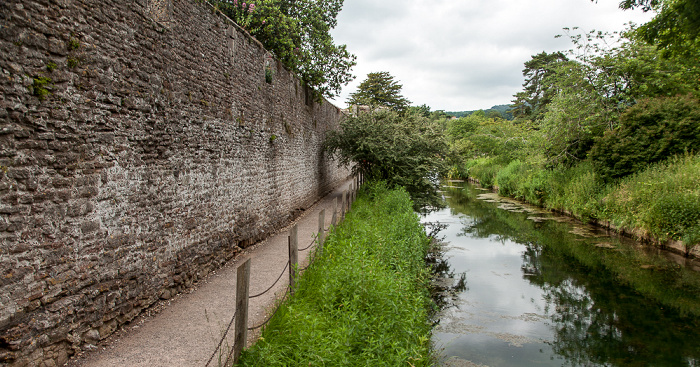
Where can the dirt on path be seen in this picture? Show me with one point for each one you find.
(185, 330)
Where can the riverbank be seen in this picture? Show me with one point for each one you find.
(660, 205)
(364, 300)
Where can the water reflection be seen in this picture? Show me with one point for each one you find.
(542, 291)
(445, 284)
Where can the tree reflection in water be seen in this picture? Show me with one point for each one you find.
(596, 319)
(446, 285)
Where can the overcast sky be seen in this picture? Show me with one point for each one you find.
(458, 55)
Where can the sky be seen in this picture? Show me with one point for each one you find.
(462, 55)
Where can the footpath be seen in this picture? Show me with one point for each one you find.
(185, 331)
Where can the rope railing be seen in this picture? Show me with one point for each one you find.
(268, 319)
(243, 280)
(273, 284)
(309, 246)
(218, 347)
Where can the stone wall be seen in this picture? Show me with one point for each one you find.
(140, 147)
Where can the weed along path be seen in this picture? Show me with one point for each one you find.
(186, 330)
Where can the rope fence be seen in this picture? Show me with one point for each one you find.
(240, 315)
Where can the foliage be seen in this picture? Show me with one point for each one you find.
(650, 132)
(589, 121)
(664, 200)
(364, 300)
(675, 28)
(537, 93)
(297, 32)
(586, 95)
(478, 135)
(507, 178)
(406, 151)
(379, 90)
(499, 111)
(240, 12)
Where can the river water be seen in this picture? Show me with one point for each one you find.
(525, 287)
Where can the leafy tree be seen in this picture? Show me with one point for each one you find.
(675, 28)
(379, 90)
(297, 32)
(646, 5)
(478, 135)
(652, 131)
(537, 93)
(407, 151)
(608, 74)
(422, 110)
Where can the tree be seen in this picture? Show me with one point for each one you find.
(675, 28)
(407, 151)
(608, 74)
(380, 90)
(297, 32)
(537, 93)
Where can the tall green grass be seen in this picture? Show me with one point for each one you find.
(364, 301)
(662, 201)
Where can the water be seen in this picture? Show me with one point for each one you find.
(533, 289)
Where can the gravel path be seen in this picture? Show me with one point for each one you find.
(185, 330)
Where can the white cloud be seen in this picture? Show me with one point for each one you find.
(463, 55)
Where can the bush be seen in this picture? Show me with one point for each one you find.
(408, 151)
(675, 216)
(583, 193)
(650, 132)
(537, 187)
(484, 170)
(663, 200)
(509, 178)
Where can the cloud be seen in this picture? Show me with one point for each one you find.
(463, 55)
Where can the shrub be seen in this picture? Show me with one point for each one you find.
(484, 170)
(407, 151)
(662, 200)
(583, 193)
(537, 187)
(676, 216)
(650, 132)
(508, 178)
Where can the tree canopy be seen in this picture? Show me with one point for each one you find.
(380, 90)
(675, 28)
(297, 32)
(405, 150)
(537, 94)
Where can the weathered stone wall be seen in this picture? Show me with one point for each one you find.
(140, 147)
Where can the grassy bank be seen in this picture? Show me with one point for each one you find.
(661, 202)
(364, 301)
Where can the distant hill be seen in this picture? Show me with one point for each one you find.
(502, 109)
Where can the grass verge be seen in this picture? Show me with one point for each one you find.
(661, 202)
(364, 301)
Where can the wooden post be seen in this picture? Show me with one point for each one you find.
(293, 256)
(334, 218)
(321, 228)
(241, 326)
(343, 204)
(350, 197)
(354, 191)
